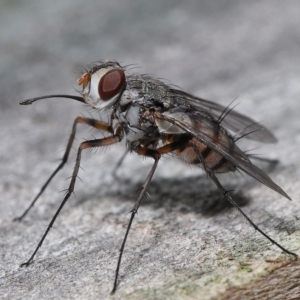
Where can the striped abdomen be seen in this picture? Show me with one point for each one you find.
(213, 160)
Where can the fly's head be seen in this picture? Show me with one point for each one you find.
(103, 85)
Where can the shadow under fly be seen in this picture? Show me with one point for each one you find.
(156, 119)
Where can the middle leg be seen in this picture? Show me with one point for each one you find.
(156, 155)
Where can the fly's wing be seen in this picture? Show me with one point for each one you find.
(199, 125)
(233, 121)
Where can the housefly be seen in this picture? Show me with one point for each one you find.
(156, 119)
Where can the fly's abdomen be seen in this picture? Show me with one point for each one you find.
(212, 159)
(195, 152)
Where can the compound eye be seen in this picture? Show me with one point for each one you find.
(111, 83)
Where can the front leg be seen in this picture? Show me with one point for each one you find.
(79, 120)
(85, 145)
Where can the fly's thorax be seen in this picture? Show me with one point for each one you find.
(136, 126)
(103, 85)
(130, 96)
(131, 116)
(151, 91)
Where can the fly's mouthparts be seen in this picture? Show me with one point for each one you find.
(31, 100)
(27, 102)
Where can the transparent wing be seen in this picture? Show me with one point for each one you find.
(233, 121)
(201, 128)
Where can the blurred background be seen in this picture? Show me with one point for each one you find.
(218, 50)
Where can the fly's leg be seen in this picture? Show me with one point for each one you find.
(267, 160)
(155, 154)
(228, 198)
(85, 145)
(271, 163)
(91, 122)
(117, 166)
(226, 195)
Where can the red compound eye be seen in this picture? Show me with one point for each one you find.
(111, 83)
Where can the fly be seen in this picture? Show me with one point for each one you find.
(156, 119)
